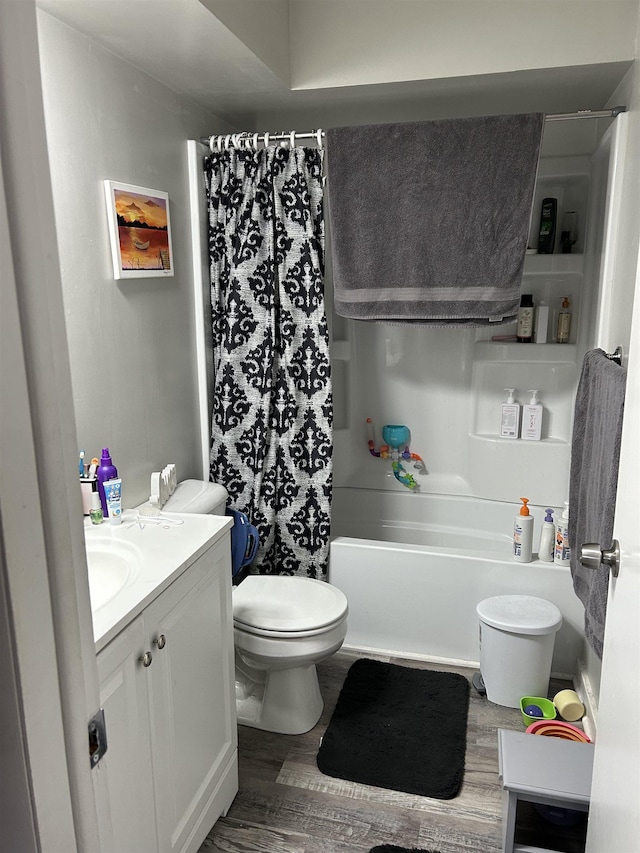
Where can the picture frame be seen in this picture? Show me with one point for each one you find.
(139, 231)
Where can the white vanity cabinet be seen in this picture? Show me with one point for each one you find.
(167, 690)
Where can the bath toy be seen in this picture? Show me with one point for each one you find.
(533, 711)
(395, 436)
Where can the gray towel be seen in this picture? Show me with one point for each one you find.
(595, 455)
(429, 220)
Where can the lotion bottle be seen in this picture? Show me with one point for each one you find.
(510, 417)
(562, 552)
(532, 418)
(523, 534)
(547, 538)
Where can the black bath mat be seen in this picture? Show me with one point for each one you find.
(391, 848)
(399, 728)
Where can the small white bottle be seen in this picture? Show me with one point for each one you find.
(547, 538)
(510, 417)
(523, 534)
(562, 552)
(542, 323)
(532, 418)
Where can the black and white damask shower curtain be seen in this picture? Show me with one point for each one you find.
(272, 420)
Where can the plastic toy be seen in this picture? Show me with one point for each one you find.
(397, 436)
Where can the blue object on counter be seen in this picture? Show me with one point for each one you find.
(533, 711)
(244, 541)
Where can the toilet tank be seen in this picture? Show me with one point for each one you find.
(197, 496)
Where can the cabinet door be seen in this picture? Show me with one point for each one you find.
(191, 679)
(126, 769)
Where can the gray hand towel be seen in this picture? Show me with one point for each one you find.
(593, 481)
(429, 220)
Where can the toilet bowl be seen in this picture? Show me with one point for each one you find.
(282, 625)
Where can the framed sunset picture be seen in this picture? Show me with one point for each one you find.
(140, 231)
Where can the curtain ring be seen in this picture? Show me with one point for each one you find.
(219, 143)
(256, 136)
(292, 139)
(235, 139)
(227, 140)
(319, 137)
(211, 143)
(266, 139)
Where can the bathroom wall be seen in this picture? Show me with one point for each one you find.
(358, 42)
(130, 341)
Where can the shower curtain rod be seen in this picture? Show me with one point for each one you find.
(247, 138)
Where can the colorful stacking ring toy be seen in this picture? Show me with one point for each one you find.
(556, 728)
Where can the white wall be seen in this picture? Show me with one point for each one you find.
(356, 42)
(131, 342)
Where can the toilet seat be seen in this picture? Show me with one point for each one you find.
(283, 606)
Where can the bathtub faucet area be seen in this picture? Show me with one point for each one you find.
(394, 437)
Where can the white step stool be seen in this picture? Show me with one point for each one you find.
(545, 770)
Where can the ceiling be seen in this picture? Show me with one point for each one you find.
(184, 46)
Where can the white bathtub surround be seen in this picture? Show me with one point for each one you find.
(419, 599)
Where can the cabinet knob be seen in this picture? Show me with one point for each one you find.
(160, 642)
(146, 659)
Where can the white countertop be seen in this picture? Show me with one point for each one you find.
(161, 552)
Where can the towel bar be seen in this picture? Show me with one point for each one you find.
(616, 355)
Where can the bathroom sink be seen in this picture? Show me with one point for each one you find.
(112, 565)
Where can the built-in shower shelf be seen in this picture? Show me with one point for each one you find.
(496, 439)
(512, 351)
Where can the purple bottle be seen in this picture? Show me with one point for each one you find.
(106, 471)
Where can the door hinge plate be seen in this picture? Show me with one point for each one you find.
(97, 737)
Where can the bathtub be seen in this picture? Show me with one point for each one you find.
(414, 567)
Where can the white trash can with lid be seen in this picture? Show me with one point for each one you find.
(517, 636)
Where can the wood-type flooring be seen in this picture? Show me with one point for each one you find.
(286, 805)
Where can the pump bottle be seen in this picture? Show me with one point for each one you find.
(562, 552)
(547, 538)
(532, 418)
(106, 471)
(523, 534)
(510, 417)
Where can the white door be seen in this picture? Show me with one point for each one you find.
(614, 817)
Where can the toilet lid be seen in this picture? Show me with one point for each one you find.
(520, 614)
(286, 603)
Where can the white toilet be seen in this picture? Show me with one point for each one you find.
(282, 625)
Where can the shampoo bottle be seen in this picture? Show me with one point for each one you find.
(532, 418)
(547, 538)
(562, 553)
(106, 471)
(510, 417)
(523, 534)
(564, 322)
(524, 328)
(547, 232)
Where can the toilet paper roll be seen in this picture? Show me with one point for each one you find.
(569, 705)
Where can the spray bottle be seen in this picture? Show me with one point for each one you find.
(547, 538)
(106, 471)
(523, 534)
(562, 553)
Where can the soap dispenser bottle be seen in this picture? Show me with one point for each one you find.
(106, 471)
(532, 418)
(510, 417)
(562, 552)
(523, 534)
(547, 538)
